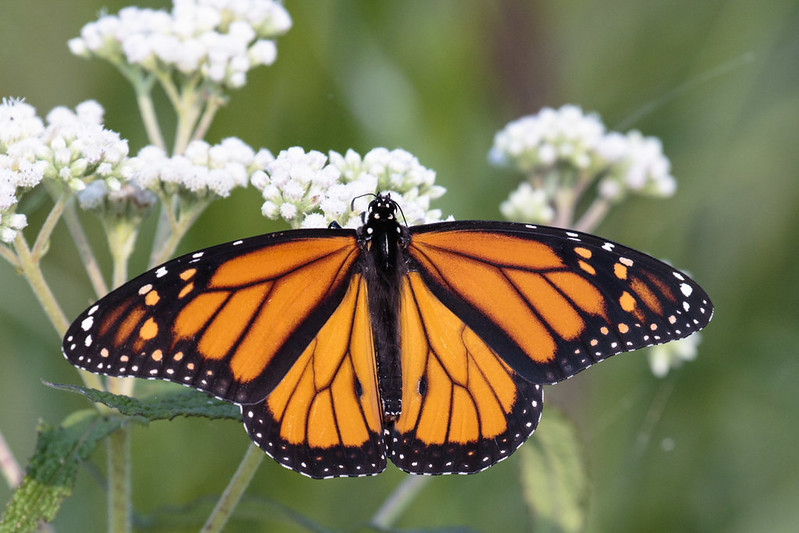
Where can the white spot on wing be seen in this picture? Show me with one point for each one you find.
(161, 272)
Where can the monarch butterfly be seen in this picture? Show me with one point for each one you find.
(428, 345)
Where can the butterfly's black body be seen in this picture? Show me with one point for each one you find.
(382, 237)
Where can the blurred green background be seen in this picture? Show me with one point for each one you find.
(713, 447)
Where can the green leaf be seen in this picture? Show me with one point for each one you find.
(163, 406)
(553, 476)
(53, 468)
(60, 449)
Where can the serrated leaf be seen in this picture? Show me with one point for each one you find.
(52, 470)
(553, 476)
(163, 406)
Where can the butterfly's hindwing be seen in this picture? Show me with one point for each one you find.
(463, 408)
(324, 418)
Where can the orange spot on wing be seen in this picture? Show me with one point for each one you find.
(587, 267)
(187, 274)
(149, 329)
(186, 290)
(646, 295)
(128, 324)
(620, 270)
(152, 298)
(583, 252)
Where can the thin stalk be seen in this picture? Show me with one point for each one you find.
(147, 111)
(9, 465)
(398, 501)
(211, 107)
(43, 239)
(121, 239)
(33, 273)
(10, 256)
(592, 217)
(85, 251)
(119, 510)
(238, 484)
(182, 225)
(188, 115)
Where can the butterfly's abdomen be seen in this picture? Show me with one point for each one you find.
(383, 270)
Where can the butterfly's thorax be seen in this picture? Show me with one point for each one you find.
(383, 237)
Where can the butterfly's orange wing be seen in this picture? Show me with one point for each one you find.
(230, 320)
(324, 418)
(552, 302)
(463, 408)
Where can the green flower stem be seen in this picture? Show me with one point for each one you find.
(85, 251)
(33, 273)
(122, 234)
(398, 501)
(188, 112)
(238, 484)
(149, 118)
(593, 216)
(164, 250)
(9, 256)
(215, 101)
(43, 239)
(9, 465)
(119, 497)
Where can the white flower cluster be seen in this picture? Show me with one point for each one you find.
(567, 143)
(528, 204)
(20, 170)
(219, 39)
(308, 191)
(72, 147)
(664, 357)
(202, 170)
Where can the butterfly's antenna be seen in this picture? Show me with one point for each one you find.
(352, 203)
(404, 221)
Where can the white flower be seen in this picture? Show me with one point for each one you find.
(220, 39)
(565, 136)
(527, 204)
(201, 170)
(396, 171)
(664, 357)
(636, 165)
(560, 149)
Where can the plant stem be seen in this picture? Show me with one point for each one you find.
(9, 465)
(85, 251)
(43, 239)
(233, 492)
(593, 215)
(9, 256)
(211, 107)
(178, 229)
(33, 273)
(119, 511)
(398, 501)
(144, 98)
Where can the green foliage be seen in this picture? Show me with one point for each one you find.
(553, 476)
(53, 468)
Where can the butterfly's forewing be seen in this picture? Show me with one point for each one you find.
(552, 302)
(463, 408)
(324, 418)
(230, 320)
